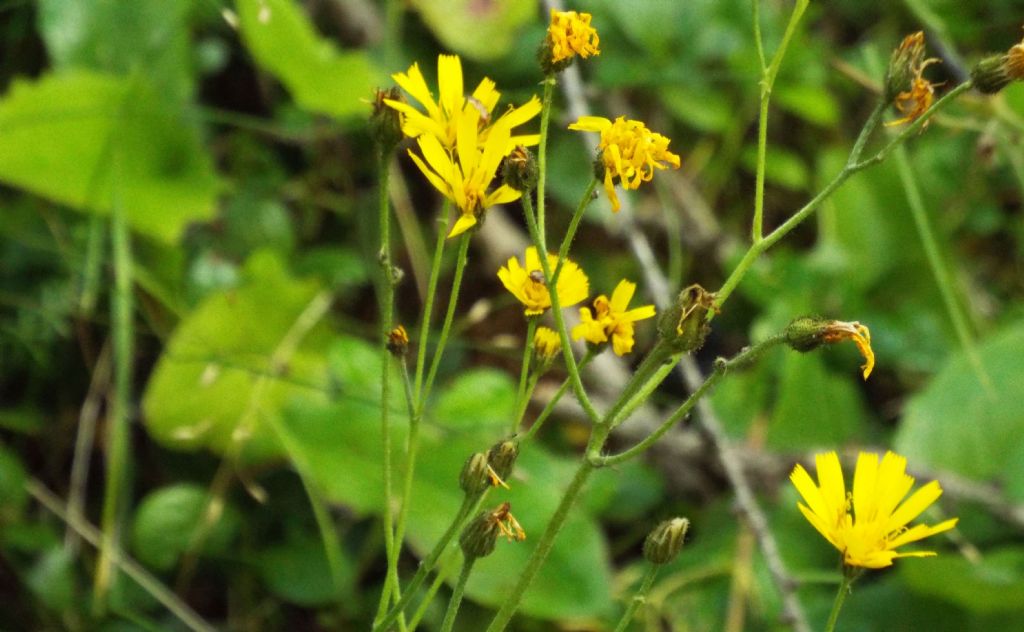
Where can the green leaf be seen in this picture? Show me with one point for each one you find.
(480, 30)
(996, 583)
(297, 571)
(482, 398)
(814, 408)
(218, 380)
(320, 78)
(13, 495)
(85, 140)
(810, 102)
(52, 579)
(957, 423)
(120, 37)
(167, 520)
(782, 167)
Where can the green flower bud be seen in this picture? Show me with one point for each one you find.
(666, 540)
(502, 458)
(476, 475)
(685, 324)
(990, 75)
(385, 121)
(479, 536)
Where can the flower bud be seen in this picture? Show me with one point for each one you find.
(546, 347)
(502, 458)
(666, 540)
(476, 474)
(520, 170)
(385, 121)
(398, 342)
(685, 324)
(990, 76)
(904, 65)
(809, 333)
(480, 535)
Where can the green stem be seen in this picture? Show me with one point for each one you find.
(943, 278)
(852, 166)
(550, 407)
(435, 586)
(428, 305)
(758, 40)
(469, 505)
(743, 358)
(556, 311)
(570, 233)
(117, 440)
(647, 377)
(542, 161)
(412, 446)
(524, 371)
(639, 598)
(844, 589)
(456, 600)
(545, 544)
(92, 267)
(453, 299)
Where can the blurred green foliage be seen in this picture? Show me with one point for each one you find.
(232, 135)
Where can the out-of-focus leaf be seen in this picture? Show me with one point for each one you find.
(782, 167)
(994, 584)
(477, 399)
(120, 37)
(52, 579)
(706, 110)
(218, 380)
(167, 520)
(479, 30)
(810, 102)
(815, 408)
(298, 572)
(12, 485)
(319, 76)
(958, 423)
(85, 140)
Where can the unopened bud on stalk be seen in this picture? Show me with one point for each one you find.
(502, 458)
(398, 342)
(476, 474)
(520, 170)
(547, 345)
(385, 121)
(666, 540)
(904, 65)
(994, 73)
(685, 324)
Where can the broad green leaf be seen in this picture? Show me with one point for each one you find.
(297, 571)
(218, 380)
(120, 37)
(994, 584)
(85, 140)
(480, 30)
(815, 408)
(168, 519)
(52, 579)
(958, 423)
(813, 103)
(782, 166)
(319, 76)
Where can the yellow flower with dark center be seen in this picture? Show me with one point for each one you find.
(440, 118)
(869, 535)
(838, 330)
(569, 35)
(629, 152)
(612, 319)
(465, 181)
(528, 285)
(546, 343)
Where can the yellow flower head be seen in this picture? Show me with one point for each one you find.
(869, 535)
(569, 35)
(629, 152)
(441, 118)
(914, 102)
(465, 181)
(838, 330)
(527, 283)
(398, 341)
(1015, 61)
(546, 344)
(612, 319)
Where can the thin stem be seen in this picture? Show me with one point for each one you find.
(570, 233)
(844, 589)
(117, 441)
(92, 267)
(453, 299)
(524, 370)
(412, 447)
(428, 305)
(639, 598)
(469, 505)
(556, 310)
(943, 278)
(456, 600)
(544, 545)
(758, 40)
(550, 407)
(132, 569)
(743, 358)
(542, 160)
(435, 586)
(647, 377)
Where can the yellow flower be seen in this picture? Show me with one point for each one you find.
(546, 343)
(527, 283)
(869, 536)
(629, 151)
(441, 118)
(466, 180)
(612, 319)
(838, 330)
(914, 102)
(569, 35)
